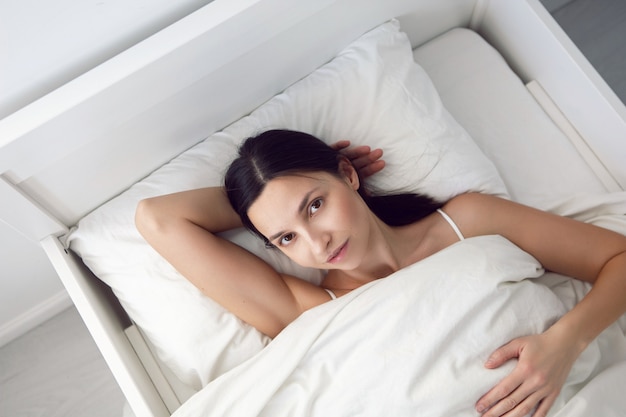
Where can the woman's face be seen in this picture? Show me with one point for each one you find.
(317, 219)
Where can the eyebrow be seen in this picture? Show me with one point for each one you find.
(301, 207)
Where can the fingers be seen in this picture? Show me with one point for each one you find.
(342, 144)
(536, 381)
(362, 158)
(517, 404)
(366, 161)
(372, 168)
(359, 155)
(502, 398)
(501, 355)
(520, 405)
(520, 392)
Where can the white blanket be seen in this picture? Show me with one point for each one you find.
(412, 344)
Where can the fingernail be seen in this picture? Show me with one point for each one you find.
(480, 408)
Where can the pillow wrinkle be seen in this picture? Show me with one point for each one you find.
(372, 93)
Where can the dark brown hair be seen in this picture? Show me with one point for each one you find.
(277, 153)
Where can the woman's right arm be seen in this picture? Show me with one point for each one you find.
(182, 227)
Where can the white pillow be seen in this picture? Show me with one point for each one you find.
(371, 93)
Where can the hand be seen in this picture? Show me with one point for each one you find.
(544, 362)
(366, 161)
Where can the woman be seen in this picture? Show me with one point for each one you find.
(307, 200)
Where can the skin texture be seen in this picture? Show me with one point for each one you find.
(312, 226)
(322, 222)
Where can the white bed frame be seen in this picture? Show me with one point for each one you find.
(76, 148)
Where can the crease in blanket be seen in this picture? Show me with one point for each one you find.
(603, 210)
(416, 341)
(280, 349)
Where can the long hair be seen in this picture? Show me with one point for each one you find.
(277, 153)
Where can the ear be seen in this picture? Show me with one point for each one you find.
(349, 173)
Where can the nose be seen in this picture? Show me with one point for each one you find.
(319, 241)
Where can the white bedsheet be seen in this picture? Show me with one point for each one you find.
(415, 343)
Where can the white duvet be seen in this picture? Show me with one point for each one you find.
(414, 344)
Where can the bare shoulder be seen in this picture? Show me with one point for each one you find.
(472, 201)
(483, 214)
(561, 244)
(477, 214)
(306, 294)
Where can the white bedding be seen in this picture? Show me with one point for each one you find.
(324, 357)
(414, 342)
(479, 89)
(372, 93)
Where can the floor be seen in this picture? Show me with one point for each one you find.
(56, 370)
(598, 28)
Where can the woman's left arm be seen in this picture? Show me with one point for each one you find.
(562, 245)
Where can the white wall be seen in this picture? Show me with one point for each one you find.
(43, 45)
(30, 292)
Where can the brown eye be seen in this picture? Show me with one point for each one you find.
(315, 205)
(286, 239)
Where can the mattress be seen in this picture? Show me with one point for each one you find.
(540, 166)
(483, 95)
(506, 121)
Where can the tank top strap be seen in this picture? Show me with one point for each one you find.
(331, 293)
(452, 224)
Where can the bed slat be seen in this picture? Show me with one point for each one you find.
(25, 215)
(555, 113)
(106, 322)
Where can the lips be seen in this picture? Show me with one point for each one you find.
(338, 254)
